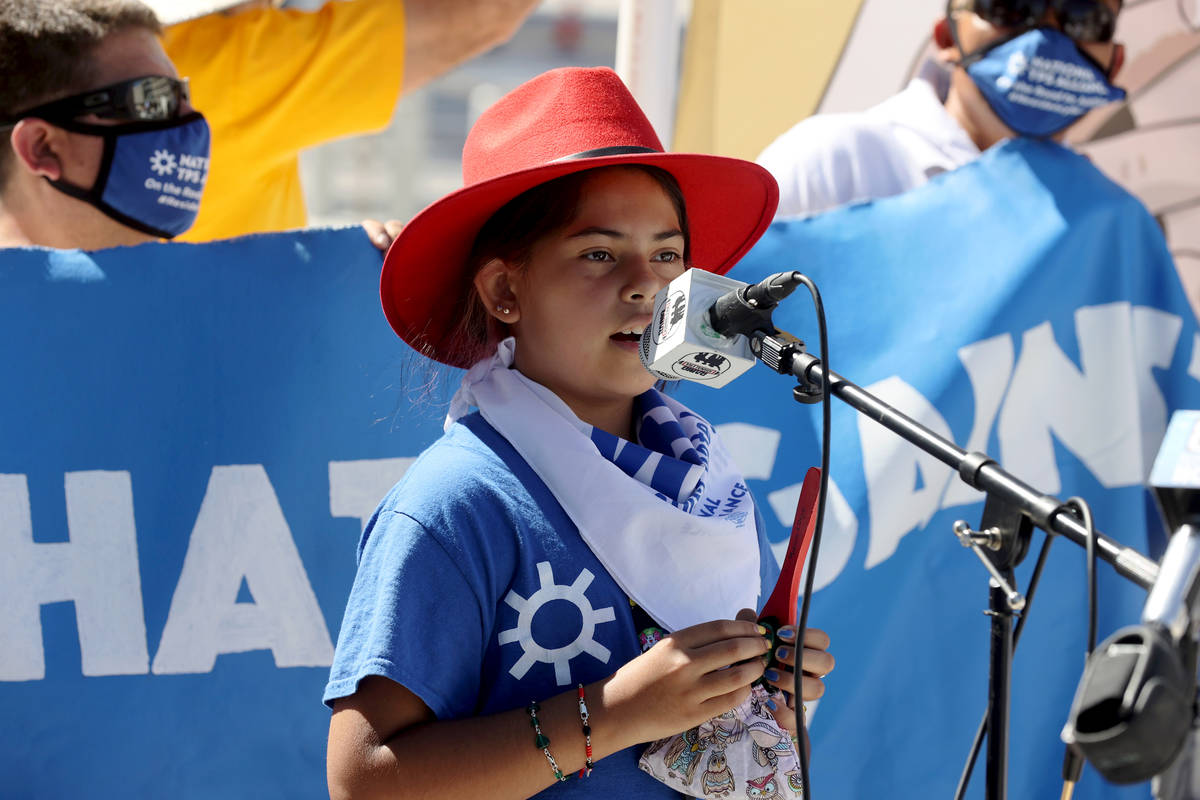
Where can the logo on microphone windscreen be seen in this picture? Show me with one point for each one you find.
(676, 345)
(701, 366)
(671, 315)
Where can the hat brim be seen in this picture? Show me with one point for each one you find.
(730, 202)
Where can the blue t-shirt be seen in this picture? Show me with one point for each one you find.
(475, 592)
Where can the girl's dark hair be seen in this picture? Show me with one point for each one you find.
(511, 233)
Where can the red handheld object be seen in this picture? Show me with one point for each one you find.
(781, 605)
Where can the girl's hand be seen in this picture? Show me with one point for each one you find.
(690, 676)
(817, 663)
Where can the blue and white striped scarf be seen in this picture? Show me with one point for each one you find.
(672, 458)
(680, 539)
(665, 457)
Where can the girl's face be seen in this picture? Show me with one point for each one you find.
(587, 294)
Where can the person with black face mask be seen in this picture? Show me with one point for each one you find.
(1001, 69)
(104, 148)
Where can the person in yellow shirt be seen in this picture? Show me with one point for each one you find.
(273, 82)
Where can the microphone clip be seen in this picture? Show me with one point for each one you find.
(748, 310)
(779, 351)
(807, 393)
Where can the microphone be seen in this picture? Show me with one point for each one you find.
(747, 310)
(702, 321)
(1136, 700)
(682, 343)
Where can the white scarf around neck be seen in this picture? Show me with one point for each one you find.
(682, 568)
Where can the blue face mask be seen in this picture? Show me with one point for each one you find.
(151, 175)
(1039, 81)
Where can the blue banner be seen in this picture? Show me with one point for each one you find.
(190, 439)
(192, 435)
(1025, 306)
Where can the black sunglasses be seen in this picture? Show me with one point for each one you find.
(146, 99)
(1082, 20)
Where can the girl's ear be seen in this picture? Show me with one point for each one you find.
(494, 284)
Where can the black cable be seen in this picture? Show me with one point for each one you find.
(969, 767)
(1072, 767)
(1085, 519)
(814, 548)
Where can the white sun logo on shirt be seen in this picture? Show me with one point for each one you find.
(560, 657)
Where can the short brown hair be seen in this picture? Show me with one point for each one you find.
(46, 50)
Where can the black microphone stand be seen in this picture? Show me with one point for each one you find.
(1011, 510)
(785, 354)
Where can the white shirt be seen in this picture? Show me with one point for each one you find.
(829, 160)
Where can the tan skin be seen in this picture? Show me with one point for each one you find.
(32, 212)
(964, 102)
(601, 272)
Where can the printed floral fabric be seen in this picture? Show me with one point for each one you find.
(742, 753)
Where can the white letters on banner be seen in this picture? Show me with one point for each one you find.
(1118, 347)
(989, 365)
(837, 537)
(356, 487)
(240, 533)
(1047, 398)
(97, 569)
(904, 483)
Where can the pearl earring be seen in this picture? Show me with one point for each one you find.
(504, 310)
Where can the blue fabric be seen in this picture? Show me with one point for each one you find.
(152, 374)
(173, 403)
(152, 174)
(1023, 305)
(157, 176)
(155, 370)
(677, 466)
(1039, 82)
(473, 529)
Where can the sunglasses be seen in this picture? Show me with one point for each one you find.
(147, 99)
(1082, 20)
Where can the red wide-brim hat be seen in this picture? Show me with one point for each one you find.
(563, 121)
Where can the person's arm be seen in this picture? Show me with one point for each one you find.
(440, 34)
(385, 742)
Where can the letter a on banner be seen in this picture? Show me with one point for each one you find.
(241, 533)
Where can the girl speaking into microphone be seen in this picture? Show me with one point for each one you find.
(571, 570)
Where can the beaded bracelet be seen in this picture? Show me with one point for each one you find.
(541, 741)
(586, 772)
